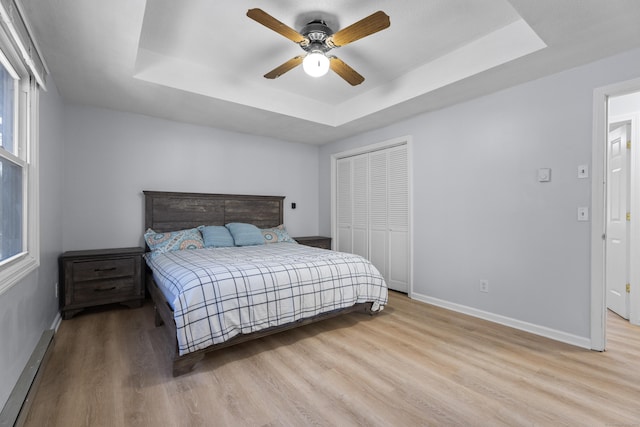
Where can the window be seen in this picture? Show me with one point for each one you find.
(19, 78)
(11, 172)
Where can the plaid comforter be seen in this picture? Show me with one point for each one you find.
(223, 292)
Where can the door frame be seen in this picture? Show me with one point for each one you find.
(403, 140)
(598, 210)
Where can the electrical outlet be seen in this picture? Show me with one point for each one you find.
(484, 286)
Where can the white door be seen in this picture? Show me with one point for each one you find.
(378, 213)
(352, 210)
(360, 221)
(389, 215)
(373, 211)
(398, 217)
(344, 214)
(616, 266)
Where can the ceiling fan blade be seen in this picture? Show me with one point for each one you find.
(343, 70)
(272, 23)
(371, 24)
(287, 66)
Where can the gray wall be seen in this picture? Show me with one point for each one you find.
(111, 157)
(30, 306)
(479, 212)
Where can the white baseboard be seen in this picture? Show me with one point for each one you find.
(16, 409)
(507, 321)
(56, 322)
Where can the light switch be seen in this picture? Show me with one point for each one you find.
(544, 175)
(583, 213)
(583, 171)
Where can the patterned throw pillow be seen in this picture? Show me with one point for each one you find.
(276, 235)
(173, 241)
(245, 234)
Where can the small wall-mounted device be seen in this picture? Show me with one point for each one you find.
(544, 175)
(583, 171)
(293, 205)
(583, 213)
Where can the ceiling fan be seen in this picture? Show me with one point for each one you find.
(317, 39)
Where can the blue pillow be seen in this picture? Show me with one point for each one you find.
(245, 234)
(216, 236)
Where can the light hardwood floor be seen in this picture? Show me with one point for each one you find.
(414, 364)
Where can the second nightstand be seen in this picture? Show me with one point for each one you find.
(315, 241)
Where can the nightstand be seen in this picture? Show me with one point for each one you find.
(315, 241)
(97, 277)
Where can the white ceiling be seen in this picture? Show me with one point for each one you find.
(202, 61)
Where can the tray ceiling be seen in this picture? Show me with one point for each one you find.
(202, 61)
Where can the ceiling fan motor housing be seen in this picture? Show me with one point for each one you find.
(317, 33)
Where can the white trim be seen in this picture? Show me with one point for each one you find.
(13, 272)
(56, 322)
(598, 200)
(598, 167)
(634, 207)
(410, 189)
(5, 16)
(407, 139)
(507, 321)
(395, 142)
(8, 66)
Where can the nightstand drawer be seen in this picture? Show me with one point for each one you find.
(103, 269)
(97, 291)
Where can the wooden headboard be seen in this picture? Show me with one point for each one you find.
(170, 211)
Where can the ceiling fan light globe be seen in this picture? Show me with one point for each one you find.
(316, 64)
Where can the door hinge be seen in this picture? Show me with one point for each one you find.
(628, 216)
(629, 144)
(628, 287)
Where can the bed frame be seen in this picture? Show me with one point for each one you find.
(170, 211)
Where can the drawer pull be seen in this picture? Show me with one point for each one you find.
(105, 269)
(104, 289)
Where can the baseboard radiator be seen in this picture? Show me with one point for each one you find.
(16, 409)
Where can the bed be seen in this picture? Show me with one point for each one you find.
(212, 298)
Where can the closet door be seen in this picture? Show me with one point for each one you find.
(360, 221)
(398, 219)
(373, 211)
(352, 209)
(389, 215)
(344, 206)
(378, 212)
